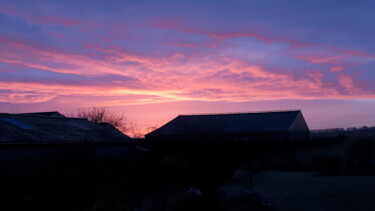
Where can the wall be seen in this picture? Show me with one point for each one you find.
(299, 130)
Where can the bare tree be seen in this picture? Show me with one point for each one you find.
(136, 132)
(103, 115)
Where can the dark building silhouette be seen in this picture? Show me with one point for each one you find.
(52, 162)
(213, 145)
(272, 125)
(53, 127)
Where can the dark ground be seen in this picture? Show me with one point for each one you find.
(327, 174)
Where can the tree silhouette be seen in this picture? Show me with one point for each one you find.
(103, 115)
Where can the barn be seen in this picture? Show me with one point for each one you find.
(270, 125)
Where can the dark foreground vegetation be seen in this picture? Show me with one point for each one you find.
(207, 174)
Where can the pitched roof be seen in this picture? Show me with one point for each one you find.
(47, 114)
(235, 123)
(31, 128)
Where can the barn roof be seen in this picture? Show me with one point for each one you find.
(49, 127)
(236, 123)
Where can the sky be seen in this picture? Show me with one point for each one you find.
(152, 60)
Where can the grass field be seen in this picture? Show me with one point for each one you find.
(304, 191)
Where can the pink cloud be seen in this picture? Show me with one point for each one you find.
(294, 43)
(18, 98)
(321, 59)
(336, 69)
(317, 76)
(346, 81)
(185, 45)
(175, 76)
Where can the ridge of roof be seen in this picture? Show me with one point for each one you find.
(40, 116)
(45, 113)
(42, 112)
(240, 113)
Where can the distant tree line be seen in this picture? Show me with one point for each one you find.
(352, 131)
